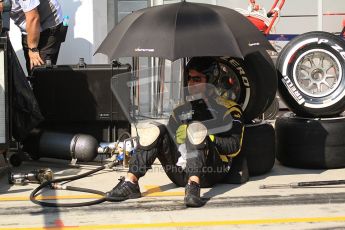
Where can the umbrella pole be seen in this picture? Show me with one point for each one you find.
(135, 100)
(155, 83)
(183, 80)
(161, 66)
(152, 74)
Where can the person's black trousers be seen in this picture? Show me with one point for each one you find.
(204, 163)
(49, 45)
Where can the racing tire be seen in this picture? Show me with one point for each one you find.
(256, 81)
(259, 147)
(311, 72)
(272, 111)
(310, 142)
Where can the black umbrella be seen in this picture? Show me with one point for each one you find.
(184, 29)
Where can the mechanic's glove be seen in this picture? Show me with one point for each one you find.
(181, 134)
(212, 137)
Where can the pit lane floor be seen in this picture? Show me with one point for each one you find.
(228, 206)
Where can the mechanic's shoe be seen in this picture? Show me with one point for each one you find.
(124, 190)
(192, 195)
(239, 173)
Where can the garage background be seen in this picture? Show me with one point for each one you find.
(90, 20)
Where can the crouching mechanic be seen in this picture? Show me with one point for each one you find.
(196, 147)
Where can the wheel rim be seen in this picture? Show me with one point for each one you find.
(317, 73)
(228, 85)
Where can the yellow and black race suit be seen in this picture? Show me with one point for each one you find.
(223, 118)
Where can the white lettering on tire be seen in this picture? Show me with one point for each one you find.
(244, 79)
(293, 90)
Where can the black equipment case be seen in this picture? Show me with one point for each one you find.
(78, 98)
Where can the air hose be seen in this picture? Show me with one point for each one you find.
(54, 184)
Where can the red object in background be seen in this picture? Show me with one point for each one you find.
(258, 23)
(231, 81)
(255, 6)
(273, 13)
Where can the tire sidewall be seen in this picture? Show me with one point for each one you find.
(258, 81)
(310, 142)
(259, 147)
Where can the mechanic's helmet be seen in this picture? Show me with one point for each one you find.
(206, 65)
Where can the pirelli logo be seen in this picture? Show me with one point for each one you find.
(293, 90)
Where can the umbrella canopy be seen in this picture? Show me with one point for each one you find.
(181, 30)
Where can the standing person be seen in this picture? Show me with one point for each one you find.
(196, 147)
(40, 22)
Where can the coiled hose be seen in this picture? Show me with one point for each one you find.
(53, 183)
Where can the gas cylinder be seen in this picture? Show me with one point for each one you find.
(59, 145)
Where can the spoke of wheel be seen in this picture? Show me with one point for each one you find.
(312, 58)
(305, 68)
(322, 59)
(318, 86)
(330, 76)
(326, 83)
(304, 78)
(310, 85)
(330, 67)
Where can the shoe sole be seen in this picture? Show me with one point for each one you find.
(193, 205)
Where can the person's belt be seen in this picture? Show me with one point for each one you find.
(52, 30)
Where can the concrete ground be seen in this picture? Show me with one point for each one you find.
(228, 206)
